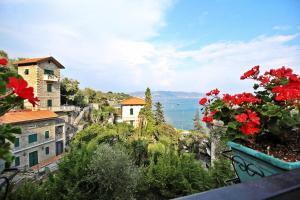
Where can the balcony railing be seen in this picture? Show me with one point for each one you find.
(282, 186)
(50, 77)
(64, 108)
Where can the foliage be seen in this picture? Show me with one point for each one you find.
(6, 136)
(174, 175)
(146, 115)
(273, 109)
(159, 114)
(69, 89)
(111, 174)
(28, 190)
(13, 91)
(101, 114)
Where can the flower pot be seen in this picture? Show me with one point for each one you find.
(250, 164)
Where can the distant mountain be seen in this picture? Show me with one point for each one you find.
(169, 94)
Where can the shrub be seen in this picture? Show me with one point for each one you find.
(111, 174)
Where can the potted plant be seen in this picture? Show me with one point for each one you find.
(263, 127)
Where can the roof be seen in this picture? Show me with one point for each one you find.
(133, 101)
(31, 61)
(26, 115)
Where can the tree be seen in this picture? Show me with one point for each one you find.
(111, 174)
(197, 124)
(90, 95)
(69, 88)
(146, 114)
(159, 114)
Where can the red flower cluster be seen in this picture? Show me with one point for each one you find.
(213, 92)
(20, 88)
(203, 101)
(238, 99)
(280, 73)
(290, 91)
(208, 118)
(264, 80)
(3, 61)
(250, 122)
(251, 73)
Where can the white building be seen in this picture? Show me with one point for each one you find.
(130, 110)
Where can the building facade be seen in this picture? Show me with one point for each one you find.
(43, 74)
(130, 109)
(41, 138)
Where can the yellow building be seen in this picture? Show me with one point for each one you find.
(43, 74)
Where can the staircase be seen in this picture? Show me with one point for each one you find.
(81, 114)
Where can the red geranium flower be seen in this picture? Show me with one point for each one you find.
(253, 117)
(203, 101)
(280, 73)
(3, 61)
(20, 88)
(241, 118)
(208, 118)
(264, 80)
(249, 128)
(213, 92)
(252, 72)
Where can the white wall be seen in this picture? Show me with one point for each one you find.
(126, 117)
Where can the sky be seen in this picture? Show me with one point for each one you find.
(177, 45)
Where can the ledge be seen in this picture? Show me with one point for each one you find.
(281, 186)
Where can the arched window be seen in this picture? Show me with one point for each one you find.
(131, 111)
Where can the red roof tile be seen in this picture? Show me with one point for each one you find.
(133, 101)
(31, 61)
(26, 115)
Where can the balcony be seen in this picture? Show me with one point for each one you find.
(50, 77)
(65, 108)
(281, 186)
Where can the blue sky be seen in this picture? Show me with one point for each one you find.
(180, 45)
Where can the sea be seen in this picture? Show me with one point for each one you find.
(180, 112)
(180, 108)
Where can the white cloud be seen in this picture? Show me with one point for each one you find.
(281, 27)
(106, 45)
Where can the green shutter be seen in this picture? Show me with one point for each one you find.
(50, 72)
(47, 150)
(32, 138)
(17, 161)
(46, 134)
(49, 87)
(49, 103)
(17, 142)
(33, 158)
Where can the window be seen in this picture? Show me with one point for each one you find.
(49, 72)
(47, 150)
(33, 158)
(131, 111)
(17, 142)
(49, 103)
(26, 71)
(17, 161)
(32, 138)
(46, 134)
(49, 87)
(131, 122)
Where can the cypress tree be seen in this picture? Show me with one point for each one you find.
(146, 112)
(159, 113)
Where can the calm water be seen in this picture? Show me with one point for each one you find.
(180, 112)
